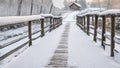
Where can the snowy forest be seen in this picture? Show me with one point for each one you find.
(33, 7)
(26, 7)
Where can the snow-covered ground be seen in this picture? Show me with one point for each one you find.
(83, 52)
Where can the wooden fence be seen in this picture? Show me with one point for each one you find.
(84, 22)
(54, 22)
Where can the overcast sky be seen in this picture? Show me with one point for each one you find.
(58, 3)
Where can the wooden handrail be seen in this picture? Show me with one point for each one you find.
(29, 21)
(112, 16)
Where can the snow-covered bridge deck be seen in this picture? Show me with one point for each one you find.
(68, 43)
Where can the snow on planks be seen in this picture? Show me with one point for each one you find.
(60, 57)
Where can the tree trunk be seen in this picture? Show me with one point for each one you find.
(31, 7)
(19, 7)
(51, 8)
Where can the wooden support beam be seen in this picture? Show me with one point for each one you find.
(84, 24)
(95, 28)
(93, 20)
(112, 35)
(42, 28)
(51, 24)
(57, 22)
(81, 20)
(30, 32)
(77, 20)
(88, 25)
(61, 20)
(103, 31)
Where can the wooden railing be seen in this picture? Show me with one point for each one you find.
(84, 22)
(54, 22)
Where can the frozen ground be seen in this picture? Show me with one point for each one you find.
(82, 51)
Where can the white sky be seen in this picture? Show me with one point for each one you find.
(58, 3)
(89, 0)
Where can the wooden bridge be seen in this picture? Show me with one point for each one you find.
(64, 47)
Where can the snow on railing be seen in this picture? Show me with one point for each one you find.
(84, 17)
(91, 10)
(18, 19)
(111, 12)
(46, 15)
(99, 13)
(54, 22)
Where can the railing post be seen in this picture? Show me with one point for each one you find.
(84, 24)
(53, 23)
(50, 24)
(57, 22)
(30, 32)
(61, 20)
(95, 29)
(80, 18)
(112, 35)
(103, 31)
(42, 28)
(88, 24)
(77, 20)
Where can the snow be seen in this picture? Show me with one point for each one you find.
(71, 17)
(18, 19)
(56, 16)
(46, 15)
(77, 4)
(83, 52)
(41, 51)
(58, 3)
(96, 10)
(93, 13)
(111, 12)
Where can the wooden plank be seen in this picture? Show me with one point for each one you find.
(13, 41)
(12, 51)
(112, 35)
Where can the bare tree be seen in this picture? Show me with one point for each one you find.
(41, 6)
(108, 4)
(31, 9)
(19, 7)
(51, 8)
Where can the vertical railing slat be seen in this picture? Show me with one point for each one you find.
(30, 32)
(112, 35)
(42, 28)
(88, 24)
(103, 31)
(95, 29)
